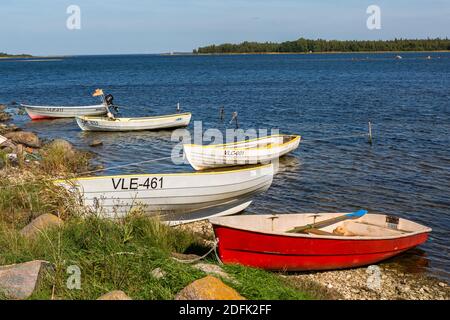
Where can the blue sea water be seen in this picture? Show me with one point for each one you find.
(324, 98)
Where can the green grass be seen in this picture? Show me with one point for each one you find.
(262, 285)
(120, 255)
(57, 159)
(22, 200)
(111, 254)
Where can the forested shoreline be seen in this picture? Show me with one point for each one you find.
(309, 46)
(6, 55)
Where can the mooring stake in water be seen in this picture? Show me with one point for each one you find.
(370, 132)
(221, 113)
(235, 118)
(178, 107)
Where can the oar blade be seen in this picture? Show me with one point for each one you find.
(356, 214)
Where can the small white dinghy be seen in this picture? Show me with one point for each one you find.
(134, 124)
(253, 151)
(49, 112)
(176, 198)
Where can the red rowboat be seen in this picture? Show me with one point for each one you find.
(263, 241)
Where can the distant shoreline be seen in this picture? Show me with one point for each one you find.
(307, 53)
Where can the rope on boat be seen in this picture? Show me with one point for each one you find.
(214, 248)
(123, 165)
(335, 137)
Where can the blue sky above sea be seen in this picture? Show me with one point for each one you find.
(155, 26)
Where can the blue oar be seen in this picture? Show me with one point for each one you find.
(324, 223)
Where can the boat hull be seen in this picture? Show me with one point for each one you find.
(302, 253)
(262, 150)
(176, 198)
(134, 124)
(51, 112)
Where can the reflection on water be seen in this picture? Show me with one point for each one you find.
(411, 261)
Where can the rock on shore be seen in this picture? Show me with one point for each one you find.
(18, 281)
(28, 139)
(115, 295)
(41, 224)
(208, 288)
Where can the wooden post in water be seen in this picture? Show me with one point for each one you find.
(235, 118)
(178, 107)
(221, 113)
(370, 132)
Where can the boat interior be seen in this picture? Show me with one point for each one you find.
(368, 226)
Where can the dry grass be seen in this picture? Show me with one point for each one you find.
(58, 159)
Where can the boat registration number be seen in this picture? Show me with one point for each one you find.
(85, 122)
(137, 183)
(234, 152)
(54, 109)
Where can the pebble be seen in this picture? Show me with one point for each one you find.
(158, 273)
(96, 143)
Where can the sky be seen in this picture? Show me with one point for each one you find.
(156, 26)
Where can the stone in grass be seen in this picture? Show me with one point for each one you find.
(18, 281)
(158, 273)
(213, 269)
(185, 257)
(96, 143)
(28, 139)
(40, 224)
(208, 288)
(115, 295)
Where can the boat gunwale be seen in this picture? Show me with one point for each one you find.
(426, 230)
(258, 167)
(225, 145)
(138, 119)
(64, 107)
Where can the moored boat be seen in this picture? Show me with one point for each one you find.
(49, 112)
(177, 197)
(272, 242)
(89, 123)
(245, 152)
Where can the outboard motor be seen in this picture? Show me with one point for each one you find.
(109, 99)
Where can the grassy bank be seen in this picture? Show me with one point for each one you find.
(111, 254)
(120, 255)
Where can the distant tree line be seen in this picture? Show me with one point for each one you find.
(320, 45)
(6, 55)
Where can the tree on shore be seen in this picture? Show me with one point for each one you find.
(321, 45)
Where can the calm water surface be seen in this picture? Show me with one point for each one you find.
(406, 172)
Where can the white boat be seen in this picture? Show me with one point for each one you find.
(176, 198)
(133, 124)
(48, 112)
(253, 151)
